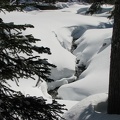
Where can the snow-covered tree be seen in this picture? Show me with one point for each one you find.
(96, 5)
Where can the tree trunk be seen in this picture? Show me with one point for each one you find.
(114, 80)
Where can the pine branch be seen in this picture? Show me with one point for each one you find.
(17, 61)
(6, 5)
(13, 44)
(15, 106)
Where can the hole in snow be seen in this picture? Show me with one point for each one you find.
(101, 107)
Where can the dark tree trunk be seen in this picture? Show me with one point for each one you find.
(114, 80)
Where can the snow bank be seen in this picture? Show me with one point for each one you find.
(91, 108)
(93, 51)
(90, 43)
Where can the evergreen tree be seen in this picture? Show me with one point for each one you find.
(96, 6)
(17, 61)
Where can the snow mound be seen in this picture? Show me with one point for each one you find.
(94, 52)
(91, 108)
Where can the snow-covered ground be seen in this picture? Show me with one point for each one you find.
(93, 107)
(59, 30)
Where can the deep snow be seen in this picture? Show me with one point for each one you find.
(93, 107)
(92, 36)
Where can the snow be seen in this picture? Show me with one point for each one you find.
(58, 83)
(91, 52)
(93, 107)
(59, 30)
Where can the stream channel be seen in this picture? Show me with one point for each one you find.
(78, 70)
